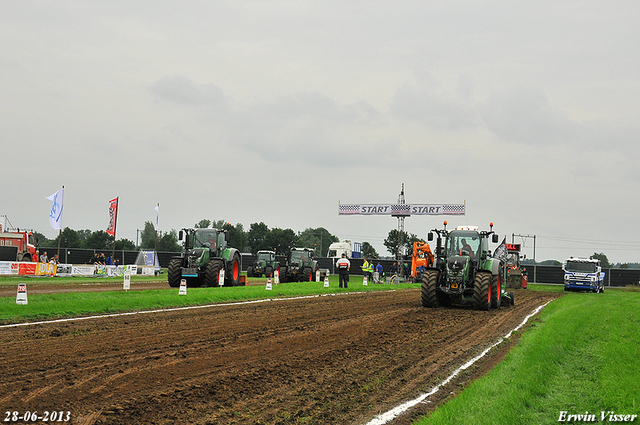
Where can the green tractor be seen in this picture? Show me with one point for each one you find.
(265, 264)
(464, 271)
(300, 266)
(206, 253)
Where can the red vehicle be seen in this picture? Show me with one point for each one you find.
(24, 241)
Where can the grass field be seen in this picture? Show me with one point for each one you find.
(53, 306)
(580, 356)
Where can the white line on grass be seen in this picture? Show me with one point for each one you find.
(396, 411)
(166, 310)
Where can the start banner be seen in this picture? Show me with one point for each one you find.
(401, 209)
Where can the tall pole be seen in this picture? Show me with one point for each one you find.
(59, 235)
(115, 223)
(155, 247)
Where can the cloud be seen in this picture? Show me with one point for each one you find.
(440, 111)
(526, 116)
(182, 90)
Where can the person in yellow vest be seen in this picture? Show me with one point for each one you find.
(367, 268)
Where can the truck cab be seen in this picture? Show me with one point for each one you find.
(583, 274)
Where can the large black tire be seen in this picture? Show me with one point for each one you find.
(496, 291)
(250, 271)
(429, 288)
(283, 274)
(174, 272)
(212, 273)
(232, 273)
(268, 272)
(482, 291)
(307, 274)
(513, 297)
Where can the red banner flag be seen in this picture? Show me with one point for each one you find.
(113, 214)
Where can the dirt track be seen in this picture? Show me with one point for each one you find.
(324, 360)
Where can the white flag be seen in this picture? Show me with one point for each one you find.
(55, 216)
(157, 208)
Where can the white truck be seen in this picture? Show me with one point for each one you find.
(583, 274)
(336, 249)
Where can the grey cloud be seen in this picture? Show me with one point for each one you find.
(526, 116)
(182, 90)
(439, 111)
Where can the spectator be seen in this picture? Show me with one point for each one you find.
(343, 270)
(44, 258)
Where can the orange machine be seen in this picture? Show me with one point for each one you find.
(422, 256)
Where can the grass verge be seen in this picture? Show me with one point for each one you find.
(580, 356)
(53, 306)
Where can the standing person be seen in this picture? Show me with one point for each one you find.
(343, 270)
(36, 257)
(367, 268)
(380, 271)
(44, 258)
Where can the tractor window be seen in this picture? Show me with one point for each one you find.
(265, 256)
(222, 242)
(463, 243)
(298, 256)
(206, 239)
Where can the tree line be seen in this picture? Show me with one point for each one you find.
(258, 237)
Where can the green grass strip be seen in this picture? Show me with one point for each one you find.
(580, 356)
(54, 306)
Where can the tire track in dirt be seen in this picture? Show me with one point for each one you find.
(326, 360)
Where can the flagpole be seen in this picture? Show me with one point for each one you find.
(115, 223)
(155, 247)
(59, 235)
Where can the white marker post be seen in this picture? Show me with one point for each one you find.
(183, 287)
(269, 285)
(326, 281)
(317, 276)
(364, 280)
(221, 277)
(127, 279)
(276, 276)
(21, 297)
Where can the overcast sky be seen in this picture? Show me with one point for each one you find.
(275, 111)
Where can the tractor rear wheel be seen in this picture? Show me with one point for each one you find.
(496, 291)
(174, 272)
(482, 292)
(212, 273)
(428, 289)
(232, 274)
(268, 272)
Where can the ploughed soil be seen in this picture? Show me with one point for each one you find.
(339, 359)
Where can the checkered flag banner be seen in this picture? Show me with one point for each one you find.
(348, 209)
(453, 209)
(401, 209)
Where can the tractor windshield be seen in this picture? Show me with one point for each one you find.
(263, 256)
(205, 239)
(463, 242)
(299, 256)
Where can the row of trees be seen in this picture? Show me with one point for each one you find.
(258, 237)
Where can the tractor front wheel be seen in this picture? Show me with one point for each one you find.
(482, 292)
(428, 289)
(212, 273)
(496, 291)
(174, 272)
